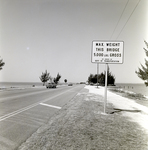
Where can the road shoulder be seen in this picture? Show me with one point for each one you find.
(81, 124)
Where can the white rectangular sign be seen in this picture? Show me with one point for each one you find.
(107, 52)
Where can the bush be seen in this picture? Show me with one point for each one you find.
(101, 78)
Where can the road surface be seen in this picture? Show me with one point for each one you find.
(23, 111)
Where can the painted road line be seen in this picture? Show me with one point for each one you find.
(50, 105)
(17, 112)
(30, 106)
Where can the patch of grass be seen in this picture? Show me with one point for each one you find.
(128, 94)
(80, 125)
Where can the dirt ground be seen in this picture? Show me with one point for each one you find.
(82, 125)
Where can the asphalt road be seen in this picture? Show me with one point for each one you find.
(23, 111)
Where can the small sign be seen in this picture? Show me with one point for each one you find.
(107, 52)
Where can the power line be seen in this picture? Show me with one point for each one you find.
(119, 18)
(128, 19)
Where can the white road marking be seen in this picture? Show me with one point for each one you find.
(29, 107)
(50, 105)
(17, 112)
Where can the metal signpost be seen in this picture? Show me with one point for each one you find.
(107, 52)
(97, 73)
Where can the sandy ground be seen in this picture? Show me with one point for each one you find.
(124, 104)
(82, 125)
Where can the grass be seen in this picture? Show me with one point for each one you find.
(132, 95)
(81, 125)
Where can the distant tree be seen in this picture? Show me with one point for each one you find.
(91, 76)
(65, 80)
(44, 77)
(143, 72)
(56, 80)
(1, 64)
(101, 78)
(111, 77)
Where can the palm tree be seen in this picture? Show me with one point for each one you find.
(1, 64)
(143, 73)
(56, 80)
(44, 77)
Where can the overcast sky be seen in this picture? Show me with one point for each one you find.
(57, 35)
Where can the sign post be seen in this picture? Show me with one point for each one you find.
(97, 73)
(105, 90)
(107, 52)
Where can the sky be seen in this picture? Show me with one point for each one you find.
(57, 35)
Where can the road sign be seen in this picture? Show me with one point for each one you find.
(107, 52)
